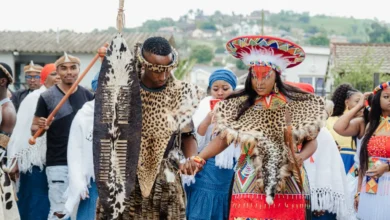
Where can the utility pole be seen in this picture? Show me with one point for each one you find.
(376, 80)
(262, 21)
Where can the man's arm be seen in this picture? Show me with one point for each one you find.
(8, 118)
(40, 116)
(189, 145)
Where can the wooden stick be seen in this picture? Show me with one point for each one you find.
(101, 53)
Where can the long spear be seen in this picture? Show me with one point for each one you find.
(101, 53)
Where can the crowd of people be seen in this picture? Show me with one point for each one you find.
(273, 150)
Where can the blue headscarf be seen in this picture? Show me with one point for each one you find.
(94, 82)
(225, 75)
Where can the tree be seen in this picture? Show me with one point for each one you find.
(358, 72)
(207, 25)
(184, 68)
(220, 50)
(202, 53)
(379, 33)
(312, 29)
(285, 27)
(305, 18)
(154, 25)
(320, 40)
(240, 65)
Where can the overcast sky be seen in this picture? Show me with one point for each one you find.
(86, 15)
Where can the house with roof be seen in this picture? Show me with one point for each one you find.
(18, 48)
(312, 70)
(343, 53)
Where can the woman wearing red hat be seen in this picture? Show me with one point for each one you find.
(268, 120)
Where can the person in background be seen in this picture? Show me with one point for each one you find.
(29, 161)
(68, 68)
(372, 196)
(80, 164)
(32, 73)
(345, 97)
(208, 197)
(8, 206)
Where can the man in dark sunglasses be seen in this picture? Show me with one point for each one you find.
(32, 74)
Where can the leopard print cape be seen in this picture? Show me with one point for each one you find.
(263, 130)
(163, 113)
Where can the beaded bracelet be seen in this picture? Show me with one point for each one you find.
(357, 195)
(198, 160)
(367, 106)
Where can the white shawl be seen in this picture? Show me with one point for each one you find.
(327, 178)
(224, 160)
(80, 156)
(18, 148)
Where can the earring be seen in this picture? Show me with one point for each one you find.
(276, 90)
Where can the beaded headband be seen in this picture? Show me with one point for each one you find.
(381, 87)
(156, 67)
(375, 91)
(268, 64)
(9, 76)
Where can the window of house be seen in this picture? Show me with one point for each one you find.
(308, 80)
(316, 82)
(319, 86)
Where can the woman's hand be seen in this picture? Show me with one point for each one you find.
(363, 99)
(190, 167)
(356, 202)
(377, 171)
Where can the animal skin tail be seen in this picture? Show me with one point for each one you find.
(290, 144)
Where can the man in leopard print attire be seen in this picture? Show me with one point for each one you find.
(8, 206)
(167, 137)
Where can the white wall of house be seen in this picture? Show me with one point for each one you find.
(200, 78)
(8, 58)
(312, 70)
(85, 59)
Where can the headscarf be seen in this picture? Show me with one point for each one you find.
(225, 75)
(47, 69)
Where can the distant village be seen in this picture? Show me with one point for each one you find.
(330, 43)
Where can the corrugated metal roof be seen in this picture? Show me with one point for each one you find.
(72, 42)
(346, 52)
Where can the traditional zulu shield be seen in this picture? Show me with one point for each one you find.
(117, 128)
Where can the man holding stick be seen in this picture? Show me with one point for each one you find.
(68, 68)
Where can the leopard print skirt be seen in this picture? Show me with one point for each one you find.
(166, 200)
(8, 207)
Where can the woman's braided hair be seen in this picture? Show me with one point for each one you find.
(342, 93)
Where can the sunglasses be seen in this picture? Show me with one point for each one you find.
(33, 77)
